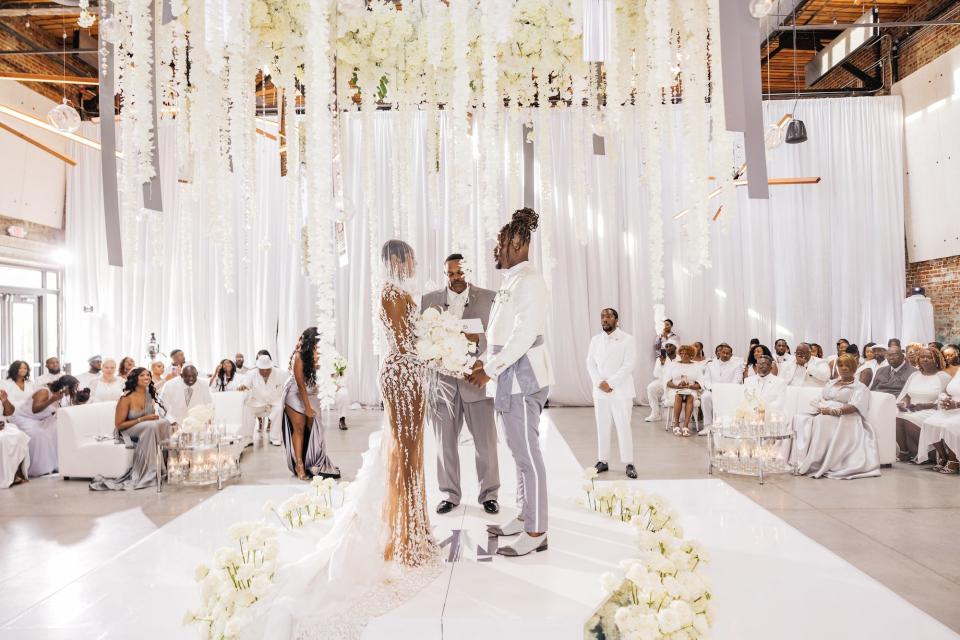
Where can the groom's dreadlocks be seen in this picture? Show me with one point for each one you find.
(521, 226)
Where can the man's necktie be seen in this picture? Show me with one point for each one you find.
(188, 394)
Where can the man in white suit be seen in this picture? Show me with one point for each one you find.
(265, 399)
(765, 386)
(805, 370)
(183, 393)
(724, 369)
(519, 367)
(610, 361)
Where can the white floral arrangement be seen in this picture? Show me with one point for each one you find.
(752, 408)
(661, 593)
(441, 343)
(307, 506)
(237, 579)
(278, 28)
(198, 420)
(339, 365)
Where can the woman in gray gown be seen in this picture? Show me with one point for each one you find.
(302, 428)
(140, 426)
(834, 438)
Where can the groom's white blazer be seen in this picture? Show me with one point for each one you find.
(518, 317)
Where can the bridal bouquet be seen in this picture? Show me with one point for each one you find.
(441, 343)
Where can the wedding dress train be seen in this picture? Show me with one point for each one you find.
(379, 552)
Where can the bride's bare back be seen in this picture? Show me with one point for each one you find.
(402, 388)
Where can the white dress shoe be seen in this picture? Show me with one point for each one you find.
(523, 545)
(512, 528)
(653, 417)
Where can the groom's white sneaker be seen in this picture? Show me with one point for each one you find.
(523, 545)
(512, 528)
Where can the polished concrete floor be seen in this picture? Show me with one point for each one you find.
(899, 528)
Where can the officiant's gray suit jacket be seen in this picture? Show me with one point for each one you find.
(479, 303)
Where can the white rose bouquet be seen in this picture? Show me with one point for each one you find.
(198, 419)
(441, 343)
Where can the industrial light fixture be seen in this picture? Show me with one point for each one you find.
(796, 130)
(64, 117)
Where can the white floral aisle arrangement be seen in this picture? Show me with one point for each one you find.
(661, 593)
(199, 419)
(441, 343)
(241, 576)
(752, 408)
(339, 365)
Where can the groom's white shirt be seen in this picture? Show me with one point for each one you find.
(518, 316)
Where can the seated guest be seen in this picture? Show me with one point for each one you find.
(18, 386)
(182, 393)
(699, 356)
(873, 358)
(724, 369)
(918, 401)
(833, 437)
(265, 400)
(940, 433)
(156, 374)
(37, 418)
(951, 357)
(665, 336)
(936, 345)
(239, 360)
(765, 386)
(854, 350)
(781, 352)
(137, 421)
(177, 361)
(842, 345)
(816, 351)
(127, 365)
(894, 342)
(805, 370)
(14, 449)
(892, 377)
(108, 387)
(227, 377)
(52, 365)
(750, 369)
(93, 372)
(655, 388)
(683, 388)
(913, 353)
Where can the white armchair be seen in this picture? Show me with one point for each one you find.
(228, 409)
(882, 414)
(81, 453)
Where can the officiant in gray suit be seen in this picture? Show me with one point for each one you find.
(469, 403)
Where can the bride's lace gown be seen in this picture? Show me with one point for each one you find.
(379, 552)
(402, 381)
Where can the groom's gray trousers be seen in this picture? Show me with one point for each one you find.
(520, 419)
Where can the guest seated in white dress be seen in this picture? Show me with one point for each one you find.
(227, 377)
(655, 389)
(781, 351)
(918, 402)
(913, 353)
(804, 369)
(873, 355)
(816, 350)
(683, 388)
(756, 351)
(724, 369)
(842, 345)
(108, 387)
(37, 418)
(14, 448)
(940, 433)
(183, 393)
(766, 387)
(834, 439)
(951, 357)
(18, 385)
(54, 371)
(156, 375)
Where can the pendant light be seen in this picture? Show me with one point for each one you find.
(64, 117)
(796, 130)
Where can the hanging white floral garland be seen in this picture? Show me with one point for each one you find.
(462, 147)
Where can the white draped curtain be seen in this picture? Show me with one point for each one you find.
(813, 263)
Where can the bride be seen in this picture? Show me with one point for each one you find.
(380, 551)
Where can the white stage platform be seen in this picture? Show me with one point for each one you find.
(770, 580)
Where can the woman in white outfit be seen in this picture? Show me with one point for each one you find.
(14, 448)
(918, 402)
(108, 386)
(38, 419)
(18, 385)
(941, 431)
(684, 380)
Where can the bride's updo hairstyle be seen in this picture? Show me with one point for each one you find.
(398, 259)
(521, 226)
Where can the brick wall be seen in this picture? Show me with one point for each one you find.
(941, 279)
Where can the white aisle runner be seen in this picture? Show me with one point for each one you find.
(770, 580)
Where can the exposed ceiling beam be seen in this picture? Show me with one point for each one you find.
(39, 145)
(45, 52)
(75, 67)
(872, 25)
(48, 79)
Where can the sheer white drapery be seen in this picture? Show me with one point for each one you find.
(812, 263)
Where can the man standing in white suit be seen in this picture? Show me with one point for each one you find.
(610, 362)
(519, 368)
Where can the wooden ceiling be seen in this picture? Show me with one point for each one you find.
(785, 54)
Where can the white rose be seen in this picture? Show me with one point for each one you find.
(668, 620)
(610, 582)
(701, 624)
(201, 572)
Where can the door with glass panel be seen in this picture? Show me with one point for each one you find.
(29, 316)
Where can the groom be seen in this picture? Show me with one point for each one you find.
(519, 367)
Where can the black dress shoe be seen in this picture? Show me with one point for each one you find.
(445, 506)
(601, 467)
(491, 506)
(631, 472)
(343, 423)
